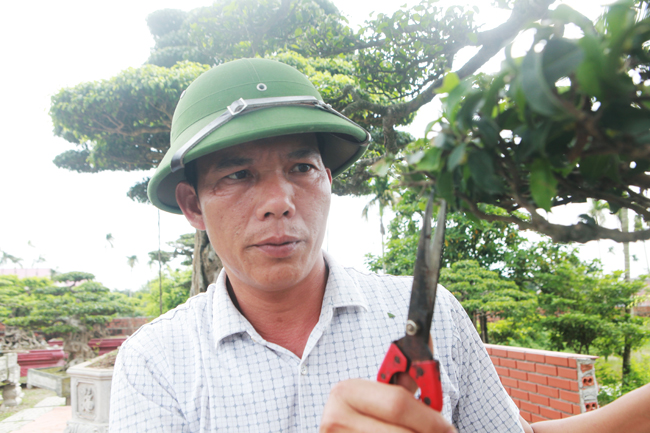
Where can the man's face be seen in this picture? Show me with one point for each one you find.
(264, 205)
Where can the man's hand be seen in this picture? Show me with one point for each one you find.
(358, 405)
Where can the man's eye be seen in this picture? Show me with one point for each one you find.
(238, 175)
(303, 168)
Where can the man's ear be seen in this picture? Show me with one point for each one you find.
(189, 203)
(329, 175)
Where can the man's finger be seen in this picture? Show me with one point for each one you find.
(390, 404)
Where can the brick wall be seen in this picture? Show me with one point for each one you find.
(641, 310)
(545, 384)
(125, 326)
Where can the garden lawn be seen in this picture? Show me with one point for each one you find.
(31, 397)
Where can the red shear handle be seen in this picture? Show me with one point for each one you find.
(425, 373)
(427, 376)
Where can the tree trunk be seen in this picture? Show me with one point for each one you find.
(206, 265)
(625, 228)
(484, 326)
(627, 351)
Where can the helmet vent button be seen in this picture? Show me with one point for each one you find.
(261, 87)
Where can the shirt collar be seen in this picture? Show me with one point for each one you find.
(341, 291)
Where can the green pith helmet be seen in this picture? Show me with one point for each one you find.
(246, 100)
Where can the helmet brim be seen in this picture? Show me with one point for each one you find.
(341, 143)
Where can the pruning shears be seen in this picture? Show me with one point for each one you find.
(410, 354)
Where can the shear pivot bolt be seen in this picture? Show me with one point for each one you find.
(412, 328)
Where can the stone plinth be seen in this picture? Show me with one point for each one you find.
(91, 394)
(10, 379)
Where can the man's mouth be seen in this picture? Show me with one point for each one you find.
(278, 246)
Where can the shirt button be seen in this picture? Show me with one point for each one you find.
(303, 370)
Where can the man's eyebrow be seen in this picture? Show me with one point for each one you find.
(230, 161)
(303, 153)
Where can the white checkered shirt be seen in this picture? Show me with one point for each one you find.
(202, 367)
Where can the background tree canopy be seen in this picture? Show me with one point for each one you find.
(379, 75)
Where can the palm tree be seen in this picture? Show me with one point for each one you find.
(638, 226)
(131, 261)
(6, 258)
(383, 197)
(110, 239)
(597, 212)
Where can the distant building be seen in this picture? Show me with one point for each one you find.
(27, 272)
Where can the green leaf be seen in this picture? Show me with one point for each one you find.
(543, 185)
(449, 83)
(539, 95)
(591, 70)
(431, 160)
(593, 167)
(489, 132)
(482, 172)
(567, 14)
(492, 95)
(561, 57)
(445, 186)
(470, 106)
(457, 157)
(381, 167)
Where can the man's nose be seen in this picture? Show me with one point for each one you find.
(276, 197)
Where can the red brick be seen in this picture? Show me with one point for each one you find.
(549, 370)
(537, 378)
(588, 381)
(574, 386)
(527, 366)
(570, 396)
(549, 413)
(517, 402)
(586, 367)
(516, 355)
(547, 390)
(559, 383)
(502, 371)
(506, 381)
(527, 416)
(510, 363)
(527, 386)
(499, 352)
(569, 373)
(576, 409)
(489, 350)
(556, 360)
(537, 418)
(515, 393)
(495, 360)
(572, 363)
(561, 406)
(508, 389)
(529, 407)
(538, 399)
(566, 415)
(534, 357)
(516, 374)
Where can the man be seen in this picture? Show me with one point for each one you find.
(286, 339)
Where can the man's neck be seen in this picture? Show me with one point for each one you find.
(285, 317)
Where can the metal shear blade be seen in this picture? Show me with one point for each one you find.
(410, 354)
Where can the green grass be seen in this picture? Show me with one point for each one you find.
(31, 397)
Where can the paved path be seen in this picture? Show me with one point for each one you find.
(48, 416)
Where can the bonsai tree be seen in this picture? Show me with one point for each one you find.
(71, 306)
(12, 305)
